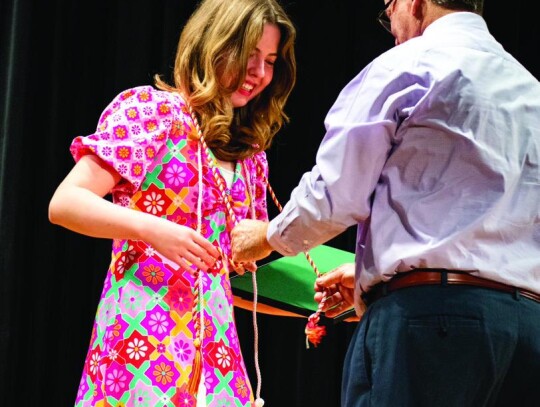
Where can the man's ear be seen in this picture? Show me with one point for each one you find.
(419, 8)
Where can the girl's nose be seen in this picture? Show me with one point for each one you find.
(256, 67)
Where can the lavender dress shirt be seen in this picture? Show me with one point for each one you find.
(433, 151)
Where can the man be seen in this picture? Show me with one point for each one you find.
(433, 151)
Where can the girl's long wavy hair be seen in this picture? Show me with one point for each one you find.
(216, 43)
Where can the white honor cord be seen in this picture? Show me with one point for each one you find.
(201, 393)
(259, 402)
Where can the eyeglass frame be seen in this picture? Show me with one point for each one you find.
(383, 18)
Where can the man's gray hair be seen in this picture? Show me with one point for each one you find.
(476, 6)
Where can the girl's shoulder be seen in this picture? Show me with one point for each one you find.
(147, 95)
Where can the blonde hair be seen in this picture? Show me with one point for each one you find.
(216, 42)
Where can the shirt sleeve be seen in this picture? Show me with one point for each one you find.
(130, 132)
(336, 194)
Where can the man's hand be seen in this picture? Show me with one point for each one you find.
(241, 268)
(339, 287)
(249, 241)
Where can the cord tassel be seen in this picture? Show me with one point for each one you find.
(314, 332)
(195, 378)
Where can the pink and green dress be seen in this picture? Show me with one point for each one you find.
(141, 350)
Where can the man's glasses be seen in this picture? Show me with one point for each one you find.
(383, 17)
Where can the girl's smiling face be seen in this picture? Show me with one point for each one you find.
(260, 67)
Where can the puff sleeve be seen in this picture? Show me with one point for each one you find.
(130, 132)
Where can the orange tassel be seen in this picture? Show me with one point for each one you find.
(313, 331)
(196, 371)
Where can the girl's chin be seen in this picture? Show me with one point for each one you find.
(239, 100)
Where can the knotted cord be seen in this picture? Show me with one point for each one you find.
(313, 331)
(259, 402)
(197, 308)
(251, 194)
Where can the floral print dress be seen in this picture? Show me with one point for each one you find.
(141, 350)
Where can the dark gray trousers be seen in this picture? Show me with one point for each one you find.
(437, 346)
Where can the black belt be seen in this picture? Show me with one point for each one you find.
(419, 277)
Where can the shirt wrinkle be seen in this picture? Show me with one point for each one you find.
(438, 154)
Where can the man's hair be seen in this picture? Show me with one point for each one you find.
(216, 43)
(475, 6)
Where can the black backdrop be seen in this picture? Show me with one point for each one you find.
(61, 64)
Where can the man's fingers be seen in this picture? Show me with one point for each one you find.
(333, 301)
(251, 266)
(240, 270)
(337, 310)
(342, 275)
(330, 278)
(347, 280)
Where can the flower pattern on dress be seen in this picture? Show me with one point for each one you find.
(223, 358)
(142, 397)
(179, 298)
(220, 305)
(132, 300)
(116, 380)
(183, 350)
(241, 387)
(137, 349)
(158, 323)
(154, 203)
(141, 347)
(93, 363)
(182, 398)
(163, 373)
(153, 274)
(223, 400)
